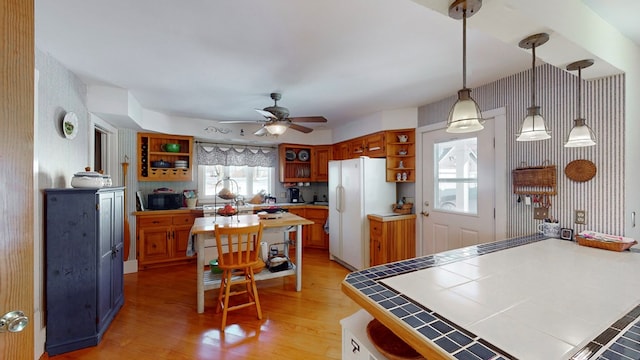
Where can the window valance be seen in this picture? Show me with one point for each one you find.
(236, 155)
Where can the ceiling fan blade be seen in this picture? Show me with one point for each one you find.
(240, 121)
(315, 119)
(261, 132)
(266, 114)
(301, 128)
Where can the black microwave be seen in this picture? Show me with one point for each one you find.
(164, 201)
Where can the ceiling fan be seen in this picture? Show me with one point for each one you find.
(277, 119)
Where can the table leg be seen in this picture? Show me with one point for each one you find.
(200, 269)
(299, 258)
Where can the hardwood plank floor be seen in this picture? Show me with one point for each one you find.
(159, 318)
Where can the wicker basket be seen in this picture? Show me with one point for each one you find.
(404, 209)
(607, 245)
(542, 178)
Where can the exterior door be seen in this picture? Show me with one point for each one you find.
(458, 188)
(17, 175)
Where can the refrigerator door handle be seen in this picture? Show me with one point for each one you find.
(339, 190)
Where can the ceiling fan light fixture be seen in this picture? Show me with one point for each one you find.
(533, 126)
(580, 135)
(276, 128)
(465, 115)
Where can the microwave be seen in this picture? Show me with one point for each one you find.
(164, 201)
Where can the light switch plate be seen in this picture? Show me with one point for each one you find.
(540, 213)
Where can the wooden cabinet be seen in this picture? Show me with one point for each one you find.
(392, 238)
(316, 236)
(370, 145)
(313, 236)
(341, 151)
(303, 163)
(151, 151)
(295, 163)
(320, 163)
(163, 238)
(401, 155)
(84, 265)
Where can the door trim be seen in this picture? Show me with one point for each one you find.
(500, 173)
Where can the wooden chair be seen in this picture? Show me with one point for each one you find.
(238, 248)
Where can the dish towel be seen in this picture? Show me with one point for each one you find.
(191, 245)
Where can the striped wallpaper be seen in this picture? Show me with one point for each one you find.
(556, 94)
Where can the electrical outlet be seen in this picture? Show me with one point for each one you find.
(283, 194)
(580, 217)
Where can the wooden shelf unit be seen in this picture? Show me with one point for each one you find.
(150, 150)
(398, 163)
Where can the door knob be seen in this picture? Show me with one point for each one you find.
(424, 213)
(13, 321)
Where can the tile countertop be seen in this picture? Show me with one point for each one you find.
(524, 298)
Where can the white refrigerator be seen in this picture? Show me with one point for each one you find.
(357, 187)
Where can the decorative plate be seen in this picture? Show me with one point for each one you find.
(580, 170)
(303, 155)
(70, 125)
(290, 155)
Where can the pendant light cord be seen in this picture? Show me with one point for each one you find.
(464, 47)
(533, 77)
(579, 93)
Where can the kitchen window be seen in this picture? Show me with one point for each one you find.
(250, 179)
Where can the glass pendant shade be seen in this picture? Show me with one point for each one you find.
(580, 135)
(465, 115)
(276, 129)
(533, 127)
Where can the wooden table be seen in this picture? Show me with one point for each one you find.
(203, 228)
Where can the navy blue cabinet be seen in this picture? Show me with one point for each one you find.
(84, 265)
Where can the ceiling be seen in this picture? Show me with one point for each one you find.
(342, 59)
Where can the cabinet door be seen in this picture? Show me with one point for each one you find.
(180, 240)
(154, 242)
(375, 145)
(317, 238)
(320, 161)
(377, 253)
(357, 147)
(292, 235)
(106, 253)
(341, 151)
(401, 242)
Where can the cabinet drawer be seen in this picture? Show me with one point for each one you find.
(183, 219)
(154, 221)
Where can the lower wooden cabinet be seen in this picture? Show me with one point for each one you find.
(163, 238)
(313, 236)
(392, 238)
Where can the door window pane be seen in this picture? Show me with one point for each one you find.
(456, 175)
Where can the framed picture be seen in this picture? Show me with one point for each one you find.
(566, 234)
(139, 203)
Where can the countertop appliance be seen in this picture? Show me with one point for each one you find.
(294, 195)
(164, 201)
(357, 187)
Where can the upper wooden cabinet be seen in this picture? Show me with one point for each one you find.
(295, 162)
(401, 155)
(372, 145)
(304, 163)
(320, 163)
(157, 163)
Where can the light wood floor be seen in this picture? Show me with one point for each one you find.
(159, 318)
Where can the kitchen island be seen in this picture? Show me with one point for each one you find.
(203, 230)
(524, 298)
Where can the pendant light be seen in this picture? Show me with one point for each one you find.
(465, 115)
(581, 134)
(533, 126)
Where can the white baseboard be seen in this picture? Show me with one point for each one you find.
(130, 266)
